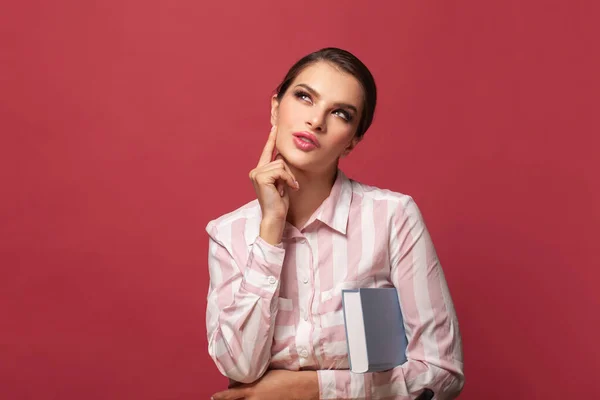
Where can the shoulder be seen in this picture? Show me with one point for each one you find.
(394, 212)
(398, 203)
(244, 219)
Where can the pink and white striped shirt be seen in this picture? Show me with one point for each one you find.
(280, 306)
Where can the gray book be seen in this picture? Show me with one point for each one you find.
(374, 329)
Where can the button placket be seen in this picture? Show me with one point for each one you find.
(305, 329)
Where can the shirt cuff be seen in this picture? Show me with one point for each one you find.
(327, 387)
(264, 266)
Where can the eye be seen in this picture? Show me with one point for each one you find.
(344, 114)
(302, 95)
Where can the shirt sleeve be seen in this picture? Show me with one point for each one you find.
(434, 352)
(242, 305)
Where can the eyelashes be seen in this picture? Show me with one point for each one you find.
(301, 94)
(304, 96)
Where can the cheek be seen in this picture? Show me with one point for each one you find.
(340, 132)
(339, 143)
(288, 111)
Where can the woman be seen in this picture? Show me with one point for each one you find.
(278, 264)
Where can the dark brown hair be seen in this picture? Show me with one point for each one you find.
(348, 63)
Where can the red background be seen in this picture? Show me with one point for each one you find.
(127, 125)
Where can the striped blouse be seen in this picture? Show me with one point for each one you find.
(280, 307)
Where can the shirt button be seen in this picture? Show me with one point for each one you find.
(305, 279)
(272, 280)
(303, 353)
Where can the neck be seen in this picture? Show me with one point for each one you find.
(314, 189)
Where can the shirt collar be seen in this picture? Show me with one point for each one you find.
(335, 209)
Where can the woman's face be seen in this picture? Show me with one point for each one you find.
(317, 117)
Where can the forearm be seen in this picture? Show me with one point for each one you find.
(241, 341)
(271, 230)
(308, 386)
(405, 382)
(240, 326)
(276, 384)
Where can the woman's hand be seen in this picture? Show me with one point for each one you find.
(276, 385)
(270, 179)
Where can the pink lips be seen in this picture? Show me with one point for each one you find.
(305, 141)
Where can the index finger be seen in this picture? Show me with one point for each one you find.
(267, 152)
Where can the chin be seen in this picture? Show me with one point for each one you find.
(307, 162)
(301, 160)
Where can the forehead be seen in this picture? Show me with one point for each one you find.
(332, 84)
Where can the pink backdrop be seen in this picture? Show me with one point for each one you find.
(127, 125)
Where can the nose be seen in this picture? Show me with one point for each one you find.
(317, 120)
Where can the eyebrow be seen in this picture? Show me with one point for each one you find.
(317, 95)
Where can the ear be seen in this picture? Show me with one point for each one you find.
(350, 146)
(274, 110)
